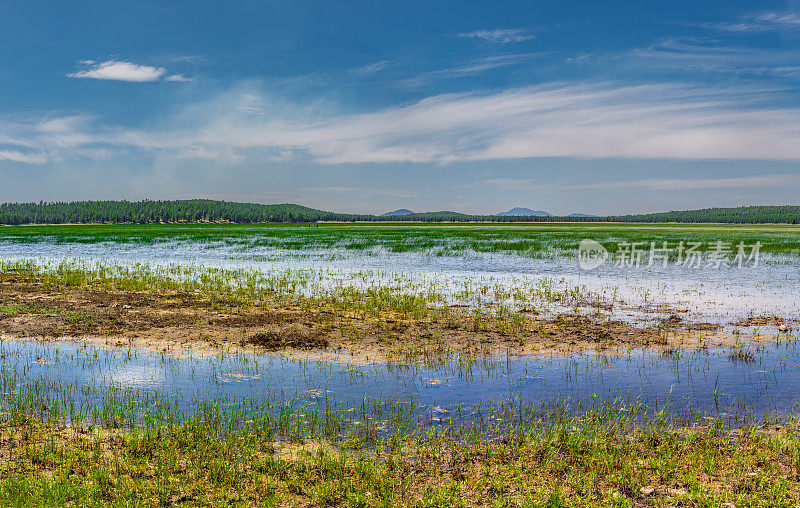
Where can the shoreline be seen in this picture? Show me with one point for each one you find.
(35, 305)
(614, 454)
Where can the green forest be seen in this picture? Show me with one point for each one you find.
(156, 212)
(205, 210)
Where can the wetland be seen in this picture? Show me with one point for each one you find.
(404, 364)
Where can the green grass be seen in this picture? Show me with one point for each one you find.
(361, 294)
(16, 309)
(529, 239)
(120, 450)
(89, 443)
(596, 458)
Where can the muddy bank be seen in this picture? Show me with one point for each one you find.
(32, 308)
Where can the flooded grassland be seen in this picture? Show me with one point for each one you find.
(341, 364)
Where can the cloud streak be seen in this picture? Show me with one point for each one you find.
(500, 36)
(764, 22)
(743, 182)
(180, 78)
(656, 121)
(472, 68)
(120, 71)
(115, 70)
(27, 158)
(693, 55)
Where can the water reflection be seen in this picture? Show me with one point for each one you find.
(743, 380)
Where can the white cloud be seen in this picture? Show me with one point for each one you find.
(485, 64)
(120, 71)
(743, 182)
(502, 36)
(700, 55)
(251, 103)
(125, 71)
(27, 158)
(657, 121)
(652, 184)
(373, 68)
(764, 22)
(178, 78)
(471, 68)
(583, 121)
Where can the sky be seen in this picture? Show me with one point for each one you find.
(369, 106)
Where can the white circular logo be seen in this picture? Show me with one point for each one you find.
(591, 254)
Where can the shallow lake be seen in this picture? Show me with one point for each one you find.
(740, 382)
(636, 294)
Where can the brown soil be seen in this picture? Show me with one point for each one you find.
(760, 321)
(29, 308)
(704, 327)
(297, 338)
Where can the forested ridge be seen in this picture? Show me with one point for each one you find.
(206, 210)
(154, 212)
(785, 214)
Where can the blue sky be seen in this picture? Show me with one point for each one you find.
(596, 107)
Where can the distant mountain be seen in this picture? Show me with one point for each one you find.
(402, 211)
(525, 212)
(581, 215)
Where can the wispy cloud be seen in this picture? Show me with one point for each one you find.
(120, 71)
(709, 56)
(27, 158)
(182, 58)
(471, 68)
(485, 64)
(754, 181)
(582, 121)
(514, 184)
(116, 70)
(763, 22)
(501, 36)
(178, 78)
(373, 68)
(550, 185)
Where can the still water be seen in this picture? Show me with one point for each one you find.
(753, 381)
(640, 295)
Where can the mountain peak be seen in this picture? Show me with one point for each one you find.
(522, 212)
(402, 211)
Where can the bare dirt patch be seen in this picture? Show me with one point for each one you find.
(760, 321)
(29, 308)
(292, 337)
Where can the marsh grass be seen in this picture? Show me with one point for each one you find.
(535, 240)
(83, 444)
(16, 309)
(496, 305)
(602, 456)
(95, 444)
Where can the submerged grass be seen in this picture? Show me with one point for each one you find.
(533, 240)
(396, 317)
(93, 443)
(16, 309)
(363, 295)
(79, 444)
(600, 457)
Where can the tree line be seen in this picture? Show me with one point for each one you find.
(206, 210)
(155, 212)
